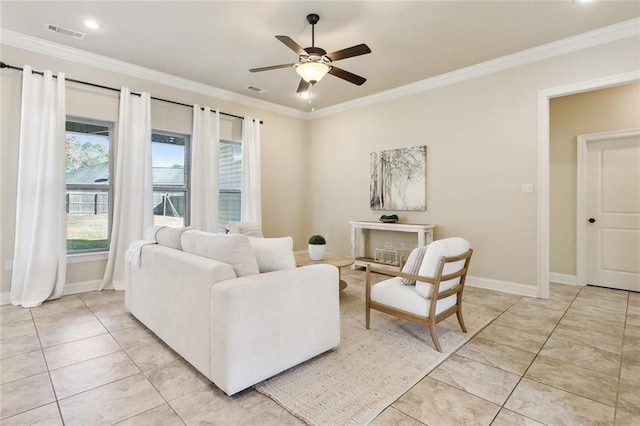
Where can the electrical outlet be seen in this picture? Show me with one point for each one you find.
(8, 264)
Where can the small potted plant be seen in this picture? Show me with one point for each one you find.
(317, 247)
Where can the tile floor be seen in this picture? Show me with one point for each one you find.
(571, 359)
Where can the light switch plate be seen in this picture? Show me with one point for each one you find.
(527, 187)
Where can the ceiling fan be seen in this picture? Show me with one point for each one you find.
(314, 62)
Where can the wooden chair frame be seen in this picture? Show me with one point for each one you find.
(430, 319)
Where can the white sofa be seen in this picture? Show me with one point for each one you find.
(234, 324)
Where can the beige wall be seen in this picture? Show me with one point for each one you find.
(481, 137)
(616, 108)
(284, 145)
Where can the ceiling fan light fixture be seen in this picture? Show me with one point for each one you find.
(312, 72)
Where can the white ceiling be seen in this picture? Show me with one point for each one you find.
(217, 42)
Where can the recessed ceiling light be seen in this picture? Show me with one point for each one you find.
(305, 95)
(582, 1)
(91, 23)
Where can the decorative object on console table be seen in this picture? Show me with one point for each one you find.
(317, 247)
(360, 230)
(393, 218)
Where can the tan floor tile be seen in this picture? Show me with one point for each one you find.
(90, 374)
(553, 406)
(80, 314)
(509, 418)
(17, 328)
(19, 345)
(631, 364)
(248, 407)
(564, 291)
(582, 355)
(14, 314)
(115, 307)
(633, 319)
(159, 416)
(625, 418)
(597, 312)
(57, 335)
(80, 350)
(97, 298)
(119, 322)
(433, 402)
(476, 378)
(554, 303)
(601, 334)
(176, 379)
(47, 415)
(394, 417)
(134, 336)
(21, 366)
(530, 342)
(628, 395)
(603, 293)
(529, 318)
(111, 403)
(578, 380)
(632, 337)
(505, 357)
(151, 355)
(25, 394)
(63, 305)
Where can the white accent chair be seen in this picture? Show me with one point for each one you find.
(437, 292)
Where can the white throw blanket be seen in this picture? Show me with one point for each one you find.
(134, 252)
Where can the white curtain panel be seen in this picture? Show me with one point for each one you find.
(205, 159)
(40, 250)
(133, 187)
(251, 195)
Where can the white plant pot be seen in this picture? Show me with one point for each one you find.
(316, 251)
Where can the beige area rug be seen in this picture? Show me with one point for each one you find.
(355, 382)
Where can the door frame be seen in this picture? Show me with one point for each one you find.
(544, 97)
(581, 207)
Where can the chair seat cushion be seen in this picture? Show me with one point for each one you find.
(393, 293)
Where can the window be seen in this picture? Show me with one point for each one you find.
(88, 198)
(230, 178)
(170, 179)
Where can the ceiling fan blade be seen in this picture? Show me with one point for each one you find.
(291, 44)
(349, 52)
(303, 86)
(346, 75)
(272, 67)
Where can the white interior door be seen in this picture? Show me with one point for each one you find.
(613, 213)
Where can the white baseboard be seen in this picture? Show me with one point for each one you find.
(555, 277)
(504, 286)
(71, 288)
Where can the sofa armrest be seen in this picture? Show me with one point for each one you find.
(168, 293)
(264, 324)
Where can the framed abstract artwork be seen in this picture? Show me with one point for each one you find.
(398, 179)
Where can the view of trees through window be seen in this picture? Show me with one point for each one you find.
(88, 170)
(87, 177)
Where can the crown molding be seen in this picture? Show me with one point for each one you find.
(581, 41)
(603, 35)
(22, 41)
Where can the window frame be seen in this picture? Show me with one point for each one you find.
(186, 188)
(231, 191)
(109, 187)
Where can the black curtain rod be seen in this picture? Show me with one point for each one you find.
(3, 65)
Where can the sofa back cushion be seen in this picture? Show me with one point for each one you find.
(273, 254)
(446, 247)
(170, 237)
(232, 249)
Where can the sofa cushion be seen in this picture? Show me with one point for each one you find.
(170, 237)
(413, 264)
(250, 229)
(232, 249)
(446, 247)
(273, 254)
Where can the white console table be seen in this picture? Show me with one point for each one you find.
(359, 235)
